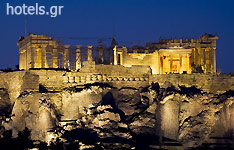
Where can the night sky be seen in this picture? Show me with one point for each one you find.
(133, 22)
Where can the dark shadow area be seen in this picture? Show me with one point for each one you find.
(144, 89)
(146, 141)
(223, 97)
(86, 136)
(22, 142)
(5, 104)
(88, 86)
(56, 69)
(207, 146)
(142, 141)
(25, 93)
(102, 85)
(189, 91)
(8, 70)
(155, 86)
(42, 89)
(229, 93)
(108, 99)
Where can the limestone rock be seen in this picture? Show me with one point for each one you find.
(5, 102)
(35, 112)
(129, 101)
(112, 117)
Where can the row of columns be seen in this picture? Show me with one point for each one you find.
(119, 53)
(205, 57)
(36, 57)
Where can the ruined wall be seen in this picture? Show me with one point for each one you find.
(57, 80)
(152, 60)
(206, 82)
(117, 76)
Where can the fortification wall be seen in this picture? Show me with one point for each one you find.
(206, 82)
(117, 76)
(56, 80)
(52, 80)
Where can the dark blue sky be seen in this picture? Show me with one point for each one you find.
(136, 21)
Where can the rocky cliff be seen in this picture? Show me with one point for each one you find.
(101, 116)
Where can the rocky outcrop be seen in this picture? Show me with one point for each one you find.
(5, 103)
(124, 118)
(206, 119)
(34, 111)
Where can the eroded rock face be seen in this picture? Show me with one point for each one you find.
(106, 121)
(145, 122)
(5, 103)
(107, 114)
(206, 119)
(128, 100)
(5, 108)
(192, 117)
(34, 111)
(73, 101)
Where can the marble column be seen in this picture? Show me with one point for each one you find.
(33, 56)
(78, 57)
(192, 56)
(55, 57)
(115, 56)
(170, 63)
(161, 64)
(22, 62)
(28, 59)
(180, 65)
(43, 56)
(66, 56)
(90, 57)
(214, 57)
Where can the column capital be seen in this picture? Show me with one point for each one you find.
(43, 46)
(78, 46)
(124, 48)
(67, 46)
(22, 51)
(34, 46)
(54, 42)
(90, 46)
(55, 46)
(115, 48)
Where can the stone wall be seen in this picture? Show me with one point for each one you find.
(119, 76)
(206, 82)
(57, 80)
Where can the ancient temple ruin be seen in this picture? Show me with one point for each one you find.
(178, 56)
(172, 55)
(40, 51)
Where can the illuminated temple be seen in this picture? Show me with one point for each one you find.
(178, 56)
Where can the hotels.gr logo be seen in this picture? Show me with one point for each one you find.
(52, 11)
